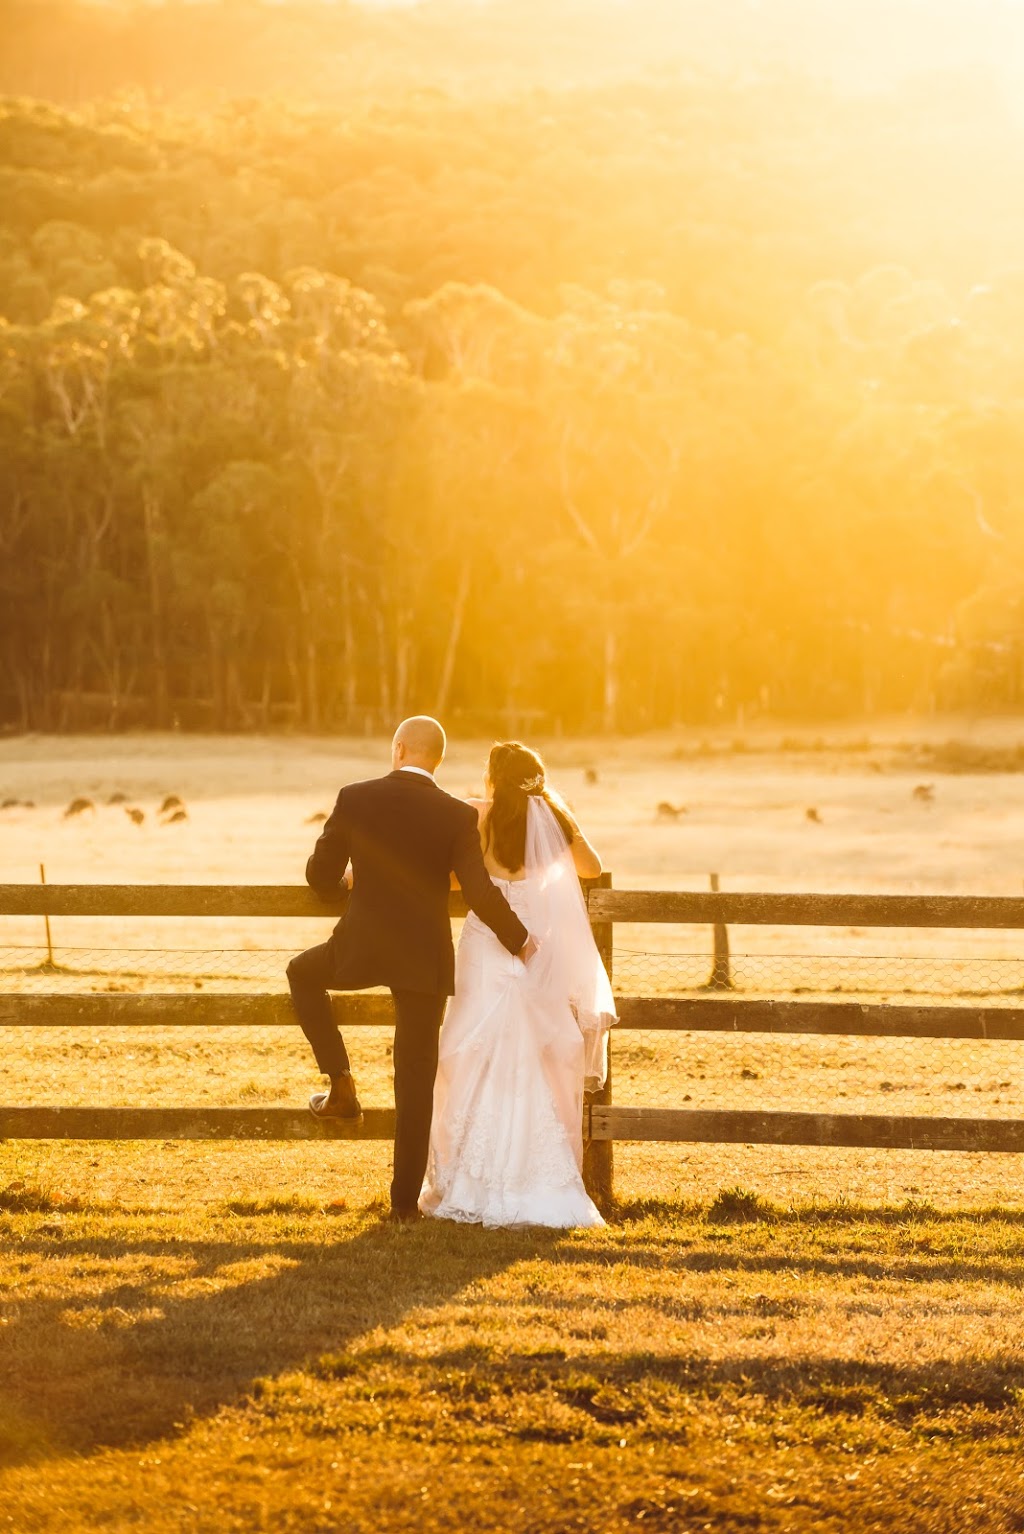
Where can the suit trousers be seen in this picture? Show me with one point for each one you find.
(309, 975)
(418, 1017)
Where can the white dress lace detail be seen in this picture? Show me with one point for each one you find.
(506, 1144)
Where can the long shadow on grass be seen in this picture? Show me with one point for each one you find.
(912, 1270)
(132, 1362)
(842, 1386)
(814, 1216)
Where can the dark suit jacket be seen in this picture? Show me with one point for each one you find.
(405, 836)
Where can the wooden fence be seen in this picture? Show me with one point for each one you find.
(604, 1121)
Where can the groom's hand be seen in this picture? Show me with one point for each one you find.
(528, 950)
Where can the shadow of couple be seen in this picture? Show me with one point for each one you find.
(133, 1337)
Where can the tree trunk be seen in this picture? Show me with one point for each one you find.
(403, 669)
(383, 669)
(161, 688)
(454, 635)
(265, 697)
(109, 658)
(350, 679)
(292, 662)
(312, 686)
(611, 677)
(216, 678)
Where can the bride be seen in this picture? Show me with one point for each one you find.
(521, 1042)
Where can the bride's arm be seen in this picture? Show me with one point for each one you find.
(585, 857)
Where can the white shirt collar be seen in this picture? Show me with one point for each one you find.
(421, 770)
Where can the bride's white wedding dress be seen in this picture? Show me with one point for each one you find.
(519, 1045)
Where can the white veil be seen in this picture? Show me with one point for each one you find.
(567, 962)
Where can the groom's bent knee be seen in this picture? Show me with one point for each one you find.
(310, 972)
(304, 972)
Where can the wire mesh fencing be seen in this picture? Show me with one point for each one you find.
(667, 1068)
(976, 979)
(834, 1073)
(35, 969)
(971, 979)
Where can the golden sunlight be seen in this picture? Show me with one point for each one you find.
(554, 467)
(700, 366)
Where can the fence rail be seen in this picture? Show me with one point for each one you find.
(605, 1121)
(661, 1014)
(681, 907)
(705, 908)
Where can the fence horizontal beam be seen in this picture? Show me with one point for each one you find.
(186, 1011)
(857, 1130)
(188, 1124)
(700, 1014)
(863, 1131)
(181, 900)
(782, 910)
(655, 1013)
(165, 900)
(606, 905)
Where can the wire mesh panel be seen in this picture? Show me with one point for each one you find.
(34, 969)
(829, 1074)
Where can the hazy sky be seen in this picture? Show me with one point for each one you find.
(860, 39)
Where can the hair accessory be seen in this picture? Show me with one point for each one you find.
(533, 785)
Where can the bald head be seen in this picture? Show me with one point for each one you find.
(418, 742)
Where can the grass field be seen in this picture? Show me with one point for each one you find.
(726, 1368)
(221, 1337)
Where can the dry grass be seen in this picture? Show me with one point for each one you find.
(738, 1367)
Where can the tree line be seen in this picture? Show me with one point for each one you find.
(624, 406)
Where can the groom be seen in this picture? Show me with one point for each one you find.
(405, 836)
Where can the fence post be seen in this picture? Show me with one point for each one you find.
(49, 965)
(721, 973)
(597, 1154)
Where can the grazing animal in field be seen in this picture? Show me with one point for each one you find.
(172, 802)
(178, 815)
(79, 807)
(924, 793)
(814, 816)
(135, 816)
(28, 804)
(666, 811)
(590, 775)
(118, 798)
(316, 819)
(10, 804)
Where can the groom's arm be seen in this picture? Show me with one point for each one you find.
(329, 858)
(483, 899)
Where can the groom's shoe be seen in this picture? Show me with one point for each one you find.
(340, 1102)
(404, 1217)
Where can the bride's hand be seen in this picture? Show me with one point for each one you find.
(348, 878)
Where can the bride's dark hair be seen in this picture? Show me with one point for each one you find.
(516, 775)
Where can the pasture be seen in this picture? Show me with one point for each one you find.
(242, 1367)
(216, 1337)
